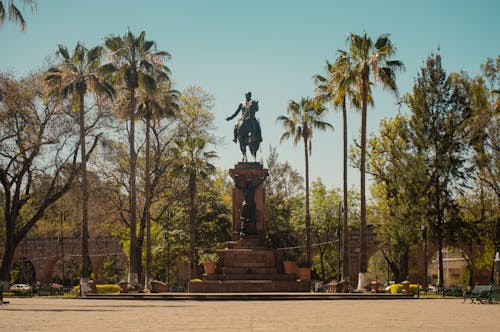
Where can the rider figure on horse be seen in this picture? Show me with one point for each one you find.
(248, 107)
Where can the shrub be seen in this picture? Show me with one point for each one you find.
(208, 257)
(398, 288)
(106, 289)
(102, 289)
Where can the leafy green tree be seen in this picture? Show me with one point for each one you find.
(113, 270)
(302, 118)
(193, 161)
(441, 113)
(132, 58)
(8, 8)
(337, 87)
(195, 117)
(367, 63)
(214, 213)
(399, 203)
(38, 159)
(486, 125)
(284, 194)
(325, 227)
(157, 103)
(73, 78)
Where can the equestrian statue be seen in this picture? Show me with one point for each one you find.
(247, 130)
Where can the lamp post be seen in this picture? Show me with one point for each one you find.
(169, 215)
(423, 229)
(496, 261)
(62, 218)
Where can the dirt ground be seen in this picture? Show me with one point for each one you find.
(46, 314)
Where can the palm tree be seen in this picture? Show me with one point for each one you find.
(14, 14)
(337, 87)
(137, 63)
(302, 118)
(162, 102)
(368, 60)
(73, 78)
(193, 161)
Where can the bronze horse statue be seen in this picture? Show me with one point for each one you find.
(247, 131)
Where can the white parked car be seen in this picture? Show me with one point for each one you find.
(21, 287)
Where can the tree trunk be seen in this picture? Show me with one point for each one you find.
(7, 260)
(85, 201)
(133, 275)
(363, 261)
(147, 281)
(321, 258)
(403, 263)
(345, 226)
(192, 224)
(440, 251)
(308, 216)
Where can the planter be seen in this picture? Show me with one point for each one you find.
(304, 273)
(289, 267)
(374, 286)
(92, 287)
(210, 267)
(158, 287)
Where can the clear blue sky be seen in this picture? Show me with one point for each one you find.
(270, 47)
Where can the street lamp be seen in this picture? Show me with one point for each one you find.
(423, 229)
(62, 218)
(496, 261)
(169, 216)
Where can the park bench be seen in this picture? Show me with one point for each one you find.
(481, 293)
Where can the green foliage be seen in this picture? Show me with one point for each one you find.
(303, 262)
(107, 289)
(284, 195)
(208, 257)
(13, 13)
(101, 289)
(398, 289)
(113, 270)
(71, 272)
(399, 206)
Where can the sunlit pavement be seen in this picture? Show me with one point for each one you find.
(48, 314)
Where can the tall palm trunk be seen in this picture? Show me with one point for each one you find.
(133, 275)
(147, 281)
(192, 224)
(363, 261)
(308, 215)
(345, 229)
(85, 198)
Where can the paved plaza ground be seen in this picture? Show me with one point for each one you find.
(47, 314)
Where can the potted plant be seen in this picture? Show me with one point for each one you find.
(290, 261)
(304, 269)
(209, 261)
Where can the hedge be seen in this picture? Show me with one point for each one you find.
(398, 288)
(103, 289)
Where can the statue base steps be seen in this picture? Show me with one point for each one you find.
(249, 270)
(249, 286)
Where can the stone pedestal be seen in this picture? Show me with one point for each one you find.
(248, 181)
(249, 264)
